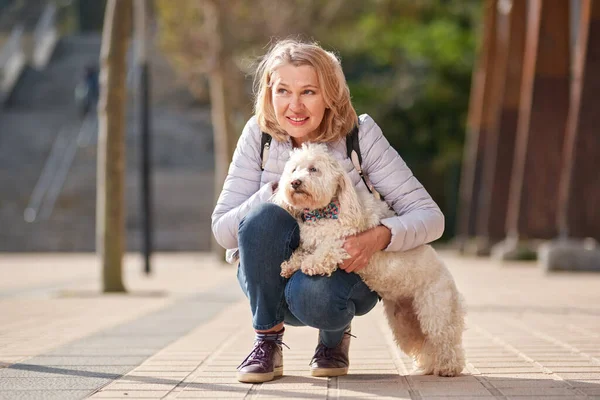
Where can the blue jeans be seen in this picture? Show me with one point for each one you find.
(267, 236)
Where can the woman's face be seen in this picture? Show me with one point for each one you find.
(298, 101)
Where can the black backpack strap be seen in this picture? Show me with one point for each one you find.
(265, 144)
(352, 144)
(353, 152)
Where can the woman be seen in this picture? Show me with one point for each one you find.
(302, 96)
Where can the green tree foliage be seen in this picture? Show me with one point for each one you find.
(409, 66)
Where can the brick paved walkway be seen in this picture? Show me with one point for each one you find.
(182, 332)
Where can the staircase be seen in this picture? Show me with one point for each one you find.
(42, 109)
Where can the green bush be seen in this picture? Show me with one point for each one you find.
(409, 66)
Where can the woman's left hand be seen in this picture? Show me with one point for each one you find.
(362, 246)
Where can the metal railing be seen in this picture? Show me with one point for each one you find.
(59, 161)
(57, 166)
(11, 57)
(45, 36)
(46, 24)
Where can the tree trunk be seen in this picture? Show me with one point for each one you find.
(110, 210)
(220, 101)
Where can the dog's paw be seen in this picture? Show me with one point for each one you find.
(313, 272)
(418, 371)
(287, 270)
(286, 273)
(310, 271)
(313, 269)
(448, 371)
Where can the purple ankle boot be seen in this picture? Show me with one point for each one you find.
(331, 361)
(265, 361)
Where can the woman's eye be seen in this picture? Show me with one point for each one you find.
(312, 169)
(281, 91)
(309, 92)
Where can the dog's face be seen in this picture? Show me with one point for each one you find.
(311, 178)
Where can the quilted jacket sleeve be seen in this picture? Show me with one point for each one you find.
(418, 218)
(241, 190)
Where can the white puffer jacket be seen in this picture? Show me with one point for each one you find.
(418, 221)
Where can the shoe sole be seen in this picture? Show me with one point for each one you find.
(259, 378)
(328, 372)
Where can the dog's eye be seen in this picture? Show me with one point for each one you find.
(312, 169)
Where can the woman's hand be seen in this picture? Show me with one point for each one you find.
(362, 246)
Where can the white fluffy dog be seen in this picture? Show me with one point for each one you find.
(422, 304)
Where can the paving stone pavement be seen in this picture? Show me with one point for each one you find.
(181, 332)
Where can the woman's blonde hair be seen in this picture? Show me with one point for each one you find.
(339, 117)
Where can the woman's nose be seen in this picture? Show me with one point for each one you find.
(296, 103)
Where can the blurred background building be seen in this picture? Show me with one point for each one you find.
(498, 95)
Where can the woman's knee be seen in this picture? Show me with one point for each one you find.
(318, 302)
(268, 222)
(267, 237)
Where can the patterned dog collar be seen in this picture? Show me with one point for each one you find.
(332, 211)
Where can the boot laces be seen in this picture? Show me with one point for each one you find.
(261, 352)
(327, 352)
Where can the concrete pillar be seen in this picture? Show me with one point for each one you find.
(499, 151)
(544, 101)
(578, 219)
(477, 126)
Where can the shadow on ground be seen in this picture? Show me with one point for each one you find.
(353, 385)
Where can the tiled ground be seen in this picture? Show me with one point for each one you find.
(182, 332)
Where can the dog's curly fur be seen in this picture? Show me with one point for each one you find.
(422, 304)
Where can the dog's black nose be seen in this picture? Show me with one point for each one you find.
(296, 183)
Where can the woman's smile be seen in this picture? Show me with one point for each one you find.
(298, 121)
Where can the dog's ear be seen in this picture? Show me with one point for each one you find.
(350, 207)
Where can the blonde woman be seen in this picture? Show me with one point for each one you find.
(301, 96)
